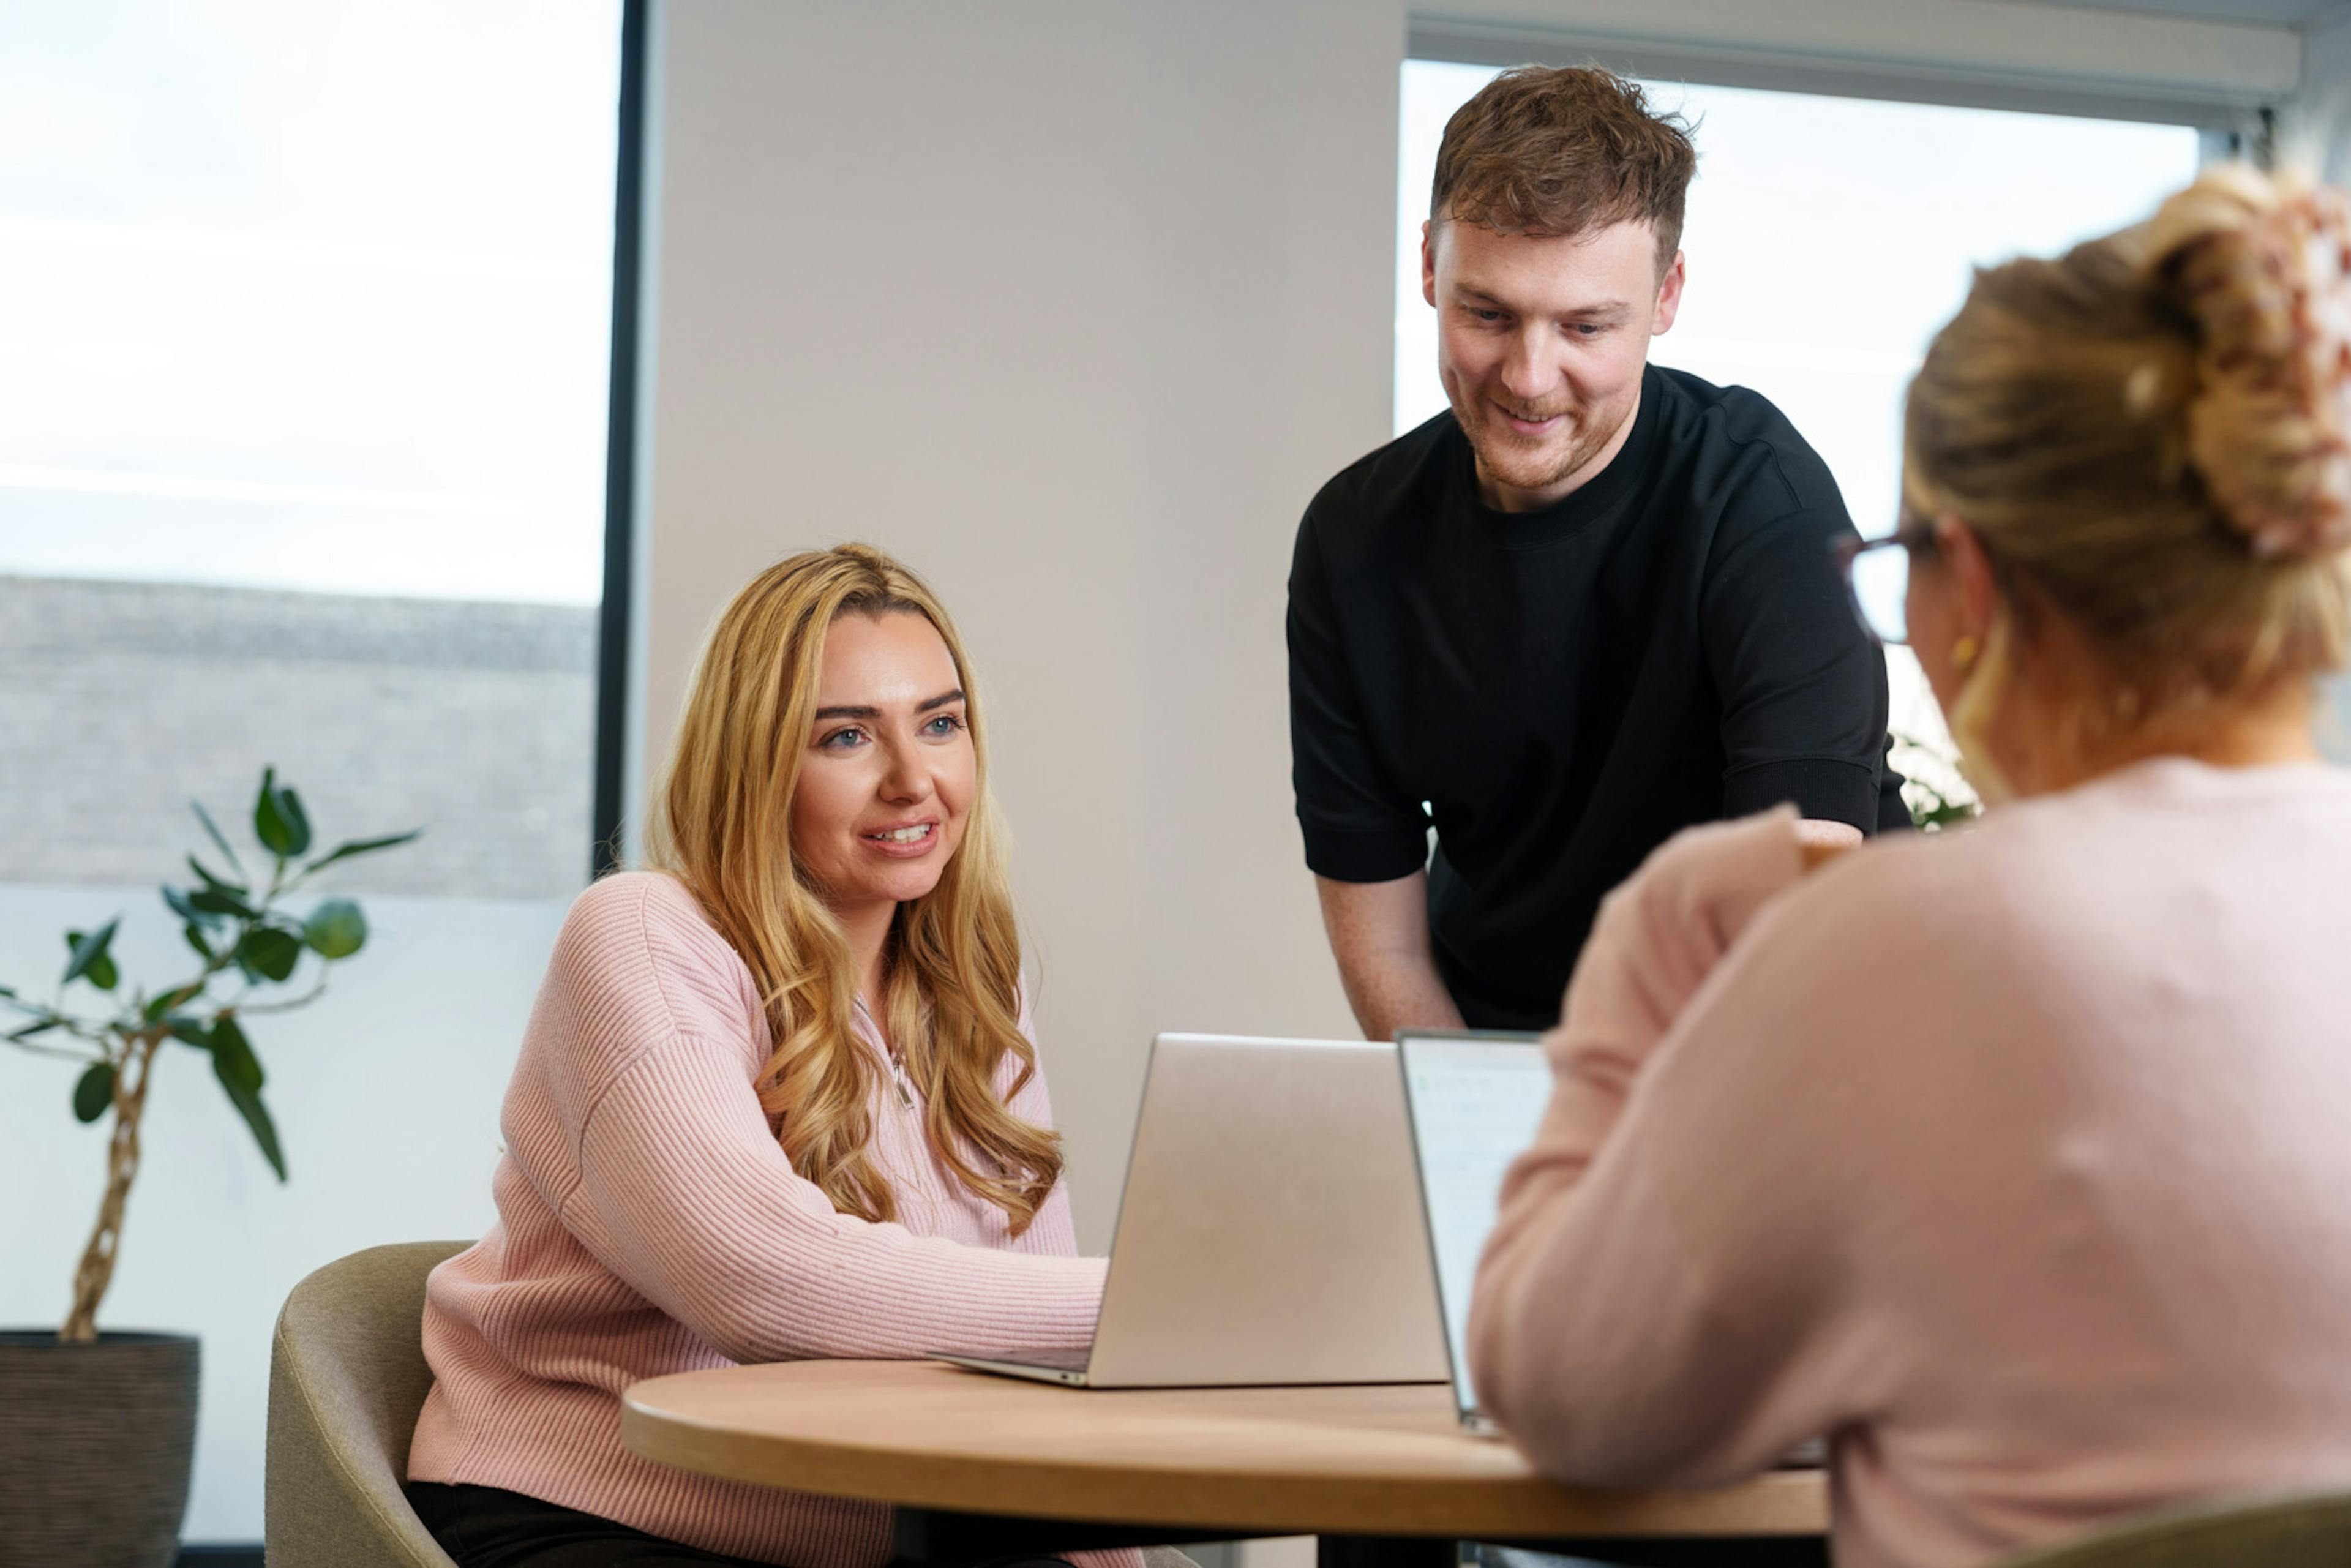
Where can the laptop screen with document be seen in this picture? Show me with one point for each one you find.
(1476, 1100)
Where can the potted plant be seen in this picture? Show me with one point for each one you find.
(97, 1431)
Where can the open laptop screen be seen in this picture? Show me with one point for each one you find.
(1475, 1100)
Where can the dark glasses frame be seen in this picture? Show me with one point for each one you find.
(1911, 532)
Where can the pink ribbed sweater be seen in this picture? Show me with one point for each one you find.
(2016, 1160)
(649, 1223)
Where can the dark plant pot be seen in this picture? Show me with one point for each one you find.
(95, 1445)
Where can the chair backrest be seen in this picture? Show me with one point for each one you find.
(346, 1378)
(2308, 1530)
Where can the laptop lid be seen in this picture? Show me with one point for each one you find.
(1474, 1099)
(1269, 1228)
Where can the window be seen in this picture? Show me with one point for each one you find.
(302, 428)
(1827, 239)
(302, 417)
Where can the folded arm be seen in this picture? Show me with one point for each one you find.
(686, 1195)
(1647, 1293)
(647, 1038)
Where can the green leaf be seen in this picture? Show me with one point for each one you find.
(271, 951)
(289, 805)
(220, 900)
(94, 1094)
(233, 1056)
(30, 1030)
(240, 1075)
(268, 824)
(192, 1032)
(87, 952)
(217, 836)
(204, 874)
(335, 929)
(196, 935)
(185, 907)
(361, 847)
(278, 818)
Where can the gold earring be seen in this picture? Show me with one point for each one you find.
(1963, 654)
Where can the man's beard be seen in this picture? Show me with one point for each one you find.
(1522, 465)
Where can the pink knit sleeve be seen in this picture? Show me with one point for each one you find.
(1647, 1285)
(683, 1193)
(1657, 939)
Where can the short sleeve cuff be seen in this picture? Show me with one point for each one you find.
(1381, 855)
(1826, 790)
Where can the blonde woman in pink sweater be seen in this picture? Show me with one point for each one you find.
(776, 1100)
(2015, 1161)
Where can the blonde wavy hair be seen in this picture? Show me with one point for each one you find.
(2152, 434)
(721, 824)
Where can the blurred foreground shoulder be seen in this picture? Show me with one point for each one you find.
(1905, 899)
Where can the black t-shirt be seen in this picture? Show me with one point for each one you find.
(1568, 689)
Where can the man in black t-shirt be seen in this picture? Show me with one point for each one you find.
(1591, 605)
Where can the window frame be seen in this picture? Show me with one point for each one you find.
(2229, 125)
(615, 713)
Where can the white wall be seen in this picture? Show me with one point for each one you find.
(1074, 306)
(2324, 100)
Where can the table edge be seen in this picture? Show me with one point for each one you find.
(1777, 1503)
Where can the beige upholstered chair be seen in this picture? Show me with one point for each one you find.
(346, 1377)
(2310, 1530)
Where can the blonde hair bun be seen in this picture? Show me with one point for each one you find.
(2262, 263)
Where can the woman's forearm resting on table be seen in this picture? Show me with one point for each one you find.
(703, 1215)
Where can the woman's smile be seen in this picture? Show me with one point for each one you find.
(907, 841)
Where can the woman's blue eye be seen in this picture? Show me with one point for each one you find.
(944, 724)
(840, 739)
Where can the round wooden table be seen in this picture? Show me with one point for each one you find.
(1366, 1464)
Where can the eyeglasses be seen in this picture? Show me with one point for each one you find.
(1878, 578)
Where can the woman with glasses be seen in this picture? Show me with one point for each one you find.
(2013, 1160)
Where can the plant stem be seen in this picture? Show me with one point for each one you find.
(81, 1056)
(139, 1037)
(241, 1007)
(96, 1271)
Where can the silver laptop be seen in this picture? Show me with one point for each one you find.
(1474, 1099)
(1270, 1231)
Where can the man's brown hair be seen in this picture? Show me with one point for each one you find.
(1562, 152)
